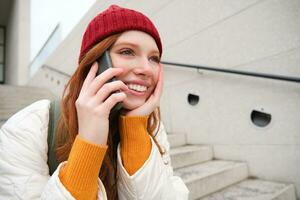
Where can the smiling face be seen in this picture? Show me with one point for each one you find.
(137, 53)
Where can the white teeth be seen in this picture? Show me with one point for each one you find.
(139, 88)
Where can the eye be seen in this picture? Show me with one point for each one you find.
(155, 59)
(126, 52)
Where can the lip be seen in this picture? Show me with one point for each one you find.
(138, 82)
(136, 93)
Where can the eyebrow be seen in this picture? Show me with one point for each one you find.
(133, 45)
(127, 43)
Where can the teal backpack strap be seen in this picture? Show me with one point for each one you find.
(54, 113)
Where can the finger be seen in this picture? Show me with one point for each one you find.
(101, 79)
(90, 76)
(113, 99)
(154, 98)
(159, 85)
(108, 89)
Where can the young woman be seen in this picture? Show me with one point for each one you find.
(107, 153)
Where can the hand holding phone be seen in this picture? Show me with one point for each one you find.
(95, 103)
(104, 63)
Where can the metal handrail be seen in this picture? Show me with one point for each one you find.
(260, 75)
(245, 73)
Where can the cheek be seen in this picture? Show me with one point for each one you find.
(156, 75)
(124, 75)
(119, 63)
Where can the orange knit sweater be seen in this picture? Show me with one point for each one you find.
(80, 174)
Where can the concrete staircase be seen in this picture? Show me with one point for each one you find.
(14, 98)
(209, 179)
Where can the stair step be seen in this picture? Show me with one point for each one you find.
(190, 154)
(176, 140)
(14, 98)
(206, 178)
(255, 189)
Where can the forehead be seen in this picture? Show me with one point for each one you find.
(137, 38)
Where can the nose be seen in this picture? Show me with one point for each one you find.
(144, 68)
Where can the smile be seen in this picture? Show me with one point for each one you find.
(136, 87)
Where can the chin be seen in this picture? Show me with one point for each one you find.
(132, 104)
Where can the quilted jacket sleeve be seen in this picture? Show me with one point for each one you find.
(24, 172)
(54, 188)
(155, 179)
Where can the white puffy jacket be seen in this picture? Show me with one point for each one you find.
(24, 172)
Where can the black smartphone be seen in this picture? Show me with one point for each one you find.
(104, 63)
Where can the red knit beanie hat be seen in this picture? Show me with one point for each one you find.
(114, 20)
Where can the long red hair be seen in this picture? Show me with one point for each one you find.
(67, 128)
